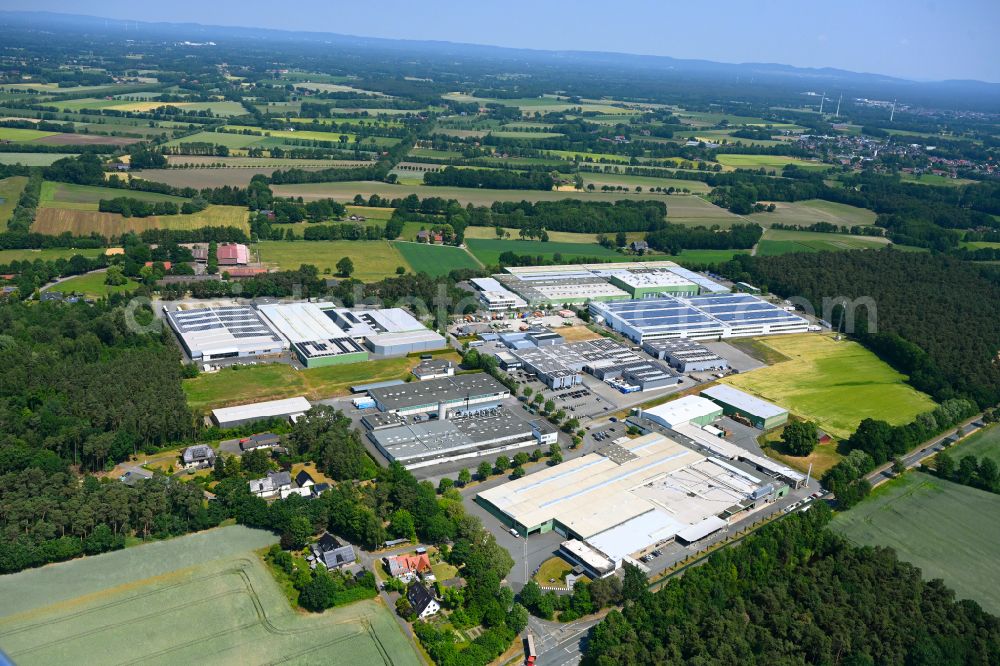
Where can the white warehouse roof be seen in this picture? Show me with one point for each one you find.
(301, 322)
(261, 410)
(682, 410)
(743, 401)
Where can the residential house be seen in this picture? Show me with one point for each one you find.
(271, 485)
(638, 246)
(200, 455)
(423, 236)
(264, 440)
(304, 480)
(331, 553)
(406, 567)
(319, 489)
(422, 601)
(166, 264)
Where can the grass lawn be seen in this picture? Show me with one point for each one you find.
(10, 190)
(948, 530)
(444, 571)
(7, 256)
(189, 597)
(488, 250)
(92, 284)
(373, 260)
(823, 457)
(835, 384)
(934, 179)
(33, 159)
(274, 381)
(812, 211)
(983, 444)
(553, 568)
(435, 259)
(781, 241)
(770, 162)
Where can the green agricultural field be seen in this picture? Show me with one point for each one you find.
(200, 177)
(948, 530)
(373, 260)
(435, 260)
(645, 182)
(231, 141)
(698, 257)
(975, 245)
(257, 162)
(781, 241)
(92, 285)
(7, 256)
(204, 597)
(524, 136)
(16, 135)
(239, 385)
(708, 118)
(982, 444)
(488, 251)
(434, 154)
(539, 104)
(309, 135)
(934, 179)
(87, 197)
(770, 162)
(812, 211)
(835, 384)
(32, 159)
(10, 191)
(685, 208)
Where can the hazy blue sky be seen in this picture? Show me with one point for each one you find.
(918, 39)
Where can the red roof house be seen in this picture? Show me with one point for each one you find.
(233, 254)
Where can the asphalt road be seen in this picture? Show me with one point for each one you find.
(560, 644)
(927, 450)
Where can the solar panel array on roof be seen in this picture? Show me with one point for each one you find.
(237, 330)
(709, 316)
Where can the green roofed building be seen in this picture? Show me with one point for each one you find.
(760, 413)
(649, 283)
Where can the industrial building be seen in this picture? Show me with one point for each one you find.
(561, 366)
(485, 432)
(230, 417)
(388, 332)
(688, 409)
(496, 297)
(434, 368)
(583, 283)
(685, 355)
(698, 317)
(629, 497)
(313, 336)
(759, 413)
(233, 331)
(447, 396)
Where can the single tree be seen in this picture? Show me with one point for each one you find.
(345, 267)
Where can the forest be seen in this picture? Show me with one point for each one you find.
(794, 592)
(934, 317)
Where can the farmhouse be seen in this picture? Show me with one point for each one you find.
(407, 567)
(233, 254)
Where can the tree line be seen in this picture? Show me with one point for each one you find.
(746, 604)
(497, 179)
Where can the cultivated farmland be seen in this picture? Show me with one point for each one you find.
(55, 221)
(948, 530)
(7, 256)
(835, 384)
(32, 159)
(982, 444)
(812, 211)
(197, 598)
(10, 190)
(488, 250)
(435, 260)
(769, 162)
(782, 241)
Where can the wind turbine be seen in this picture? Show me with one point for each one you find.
(893, 112)
(839, 100)
(822, 99)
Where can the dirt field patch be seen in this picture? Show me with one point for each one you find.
(86, 140)
(55, 221)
